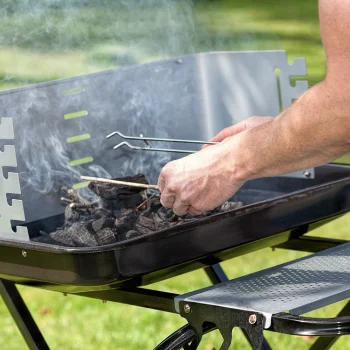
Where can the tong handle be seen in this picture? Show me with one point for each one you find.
(143, 138)
(149, 148)
(136, 148)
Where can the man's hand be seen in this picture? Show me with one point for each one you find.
(206, 179)
(201, 181)
(235, 129)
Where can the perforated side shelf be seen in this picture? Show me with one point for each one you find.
(297, 287)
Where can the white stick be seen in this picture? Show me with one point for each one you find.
(117, 182)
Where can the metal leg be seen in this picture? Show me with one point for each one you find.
(217, 275)
(325, 343)
(183, 337)
(22, 316)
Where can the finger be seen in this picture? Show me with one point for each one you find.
(227, 132)
(163, 178)
(230, 131)
(180, 208)
(161, 183)
(167, 199)
(194, 211)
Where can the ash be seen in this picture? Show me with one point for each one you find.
(121, 213)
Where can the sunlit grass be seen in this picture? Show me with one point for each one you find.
(42, 46)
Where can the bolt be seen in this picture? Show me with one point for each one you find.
(187, 308)
(179, 61)
(24, 253)
(307, 173)
(252, 319)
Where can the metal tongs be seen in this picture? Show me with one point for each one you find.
(150, 148)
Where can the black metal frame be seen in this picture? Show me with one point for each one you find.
(21, 315)
(329, 329)
(217, 275)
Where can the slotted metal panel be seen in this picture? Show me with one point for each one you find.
(60, 126)
(13, 209)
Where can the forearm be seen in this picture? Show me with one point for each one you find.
(313, 131)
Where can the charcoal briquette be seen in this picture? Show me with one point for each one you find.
(99, 213)
(105, 236)
(62, 236)
(131, 234)
(48, 239)
(102, 223)
(81, 236)
(143, 229)
(146, 222)
(126, 223)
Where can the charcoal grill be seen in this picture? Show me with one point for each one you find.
(52, 133)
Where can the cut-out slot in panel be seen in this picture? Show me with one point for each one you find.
(278, 74)
(77, 114)
(80, 185)
(72, 91)
(81, 161)
(78, 138)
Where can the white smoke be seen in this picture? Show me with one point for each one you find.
(140, 31)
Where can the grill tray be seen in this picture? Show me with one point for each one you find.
(180, 249)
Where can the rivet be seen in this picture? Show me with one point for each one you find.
(24, 253)
(187, 308)
(179, 61)
(307, 173)
(252, 319)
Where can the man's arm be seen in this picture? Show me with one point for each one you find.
(311, 132)
(316, 128)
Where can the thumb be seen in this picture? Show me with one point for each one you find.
(227, 132)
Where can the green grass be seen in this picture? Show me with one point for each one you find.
(41, 41)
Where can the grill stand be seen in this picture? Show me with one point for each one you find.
(21, 315)
(186, 337)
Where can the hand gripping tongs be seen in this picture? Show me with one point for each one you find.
(150, 148)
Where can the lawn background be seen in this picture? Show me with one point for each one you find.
(42, 41)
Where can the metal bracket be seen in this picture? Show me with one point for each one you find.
(10, 185)
(225, 319)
